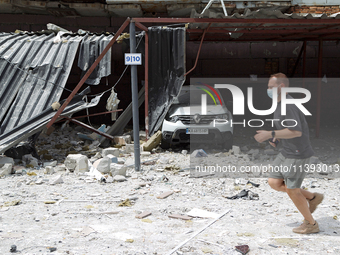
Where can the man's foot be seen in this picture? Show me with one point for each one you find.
(306, 228)
(315, 201)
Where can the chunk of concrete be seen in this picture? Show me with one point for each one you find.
(117, 169)
(56, 180)
(112, 151)
(30, 160)
(113, 159)
(49, 170)
(52, 163)
(119, 178)
(77, 163)
(6, 160)
(153, 142)
(129, 148)
(236, 150)
(6, 169)
(103, 165)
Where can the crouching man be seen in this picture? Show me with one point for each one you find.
(295, 153)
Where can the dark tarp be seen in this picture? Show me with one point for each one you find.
(166, 71)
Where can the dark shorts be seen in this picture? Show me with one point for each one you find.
(291, 170)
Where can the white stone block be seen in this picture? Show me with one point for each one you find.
(6, 169)
(77, 163)
(117, 169)
(6, 160)
(112, 151)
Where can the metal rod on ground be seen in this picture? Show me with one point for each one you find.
(198, 232)
(134, 90)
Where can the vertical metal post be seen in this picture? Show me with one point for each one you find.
(134, 90)
(304, 63)
(146, 84)
(318, 102)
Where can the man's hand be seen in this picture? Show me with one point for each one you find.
(262, 135)
(272, 142)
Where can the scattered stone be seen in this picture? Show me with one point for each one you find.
(129, 148)
(113, 159)
(112, 151)
(77, 163)
(199, 153)
(119, 178)
(129, 240)
(103, 165)
(165, 194)
(153, 142)
(118, 169)
(6, 169)
(122, 140)
(52, 163)
(243, 249)
(143, 215)
(145, 153)
(39, 181)
(163, 160)
(28, 159)
(184, 152)
(6, 160)
(244, 148)
(49, 170)
(314, 160)
(60, 168)
(56, 180)
(181, 217)
(236, 150)
(147, 220)
(13, 248)
(12, 203)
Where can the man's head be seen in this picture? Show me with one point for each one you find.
(277, 80)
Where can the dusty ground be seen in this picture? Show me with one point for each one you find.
(85, 217)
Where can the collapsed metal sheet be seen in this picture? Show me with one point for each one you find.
(33, 72)
(38, 123)
(91, 47)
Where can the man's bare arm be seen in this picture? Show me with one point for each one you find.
(263, 135)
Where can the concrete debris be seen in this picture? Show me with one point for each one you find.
(113, 151)
(119, 178)
(243, 249)
(245, 194)
(51, 164)
(270, 152)
(117, 169)
(165, 194)
(6, 160)
(202, 213)
(153, 142)
(57, 180)
(39, 181)
(199, 153)
(49, 170)
(6, 169)
(103, 165)
(77, 163)
(30, 161)
(236, 150)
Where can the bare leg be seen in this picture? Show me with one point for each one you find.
(279, 185)
(298, 196)
(301, 204)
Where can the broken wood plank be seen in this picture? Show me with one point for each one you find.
(178, 216)
(143, 215)
(165, 194)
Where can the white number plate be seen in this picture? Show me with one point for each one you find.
(199, 131)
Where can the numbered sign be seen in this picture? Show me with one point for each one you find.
(133, 58)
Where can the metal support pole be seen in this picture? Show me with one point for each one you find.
(318, 102)
(304, 63)
(146, 84)
(134, 90)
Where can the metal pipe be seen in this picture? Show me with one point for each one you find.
(146, 102)
(199, 50)
(318, 102)
(82, 81)
(304, 63)
(134, 90)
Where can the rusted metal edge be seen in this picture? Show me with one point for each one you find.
(82, 81)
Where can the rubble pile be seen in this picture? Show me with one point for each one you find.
(78, 198)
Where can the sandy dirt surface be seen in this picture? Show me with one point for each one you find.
(83, 216)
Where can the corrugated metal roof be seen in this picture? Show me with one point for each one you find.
(33, 72)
